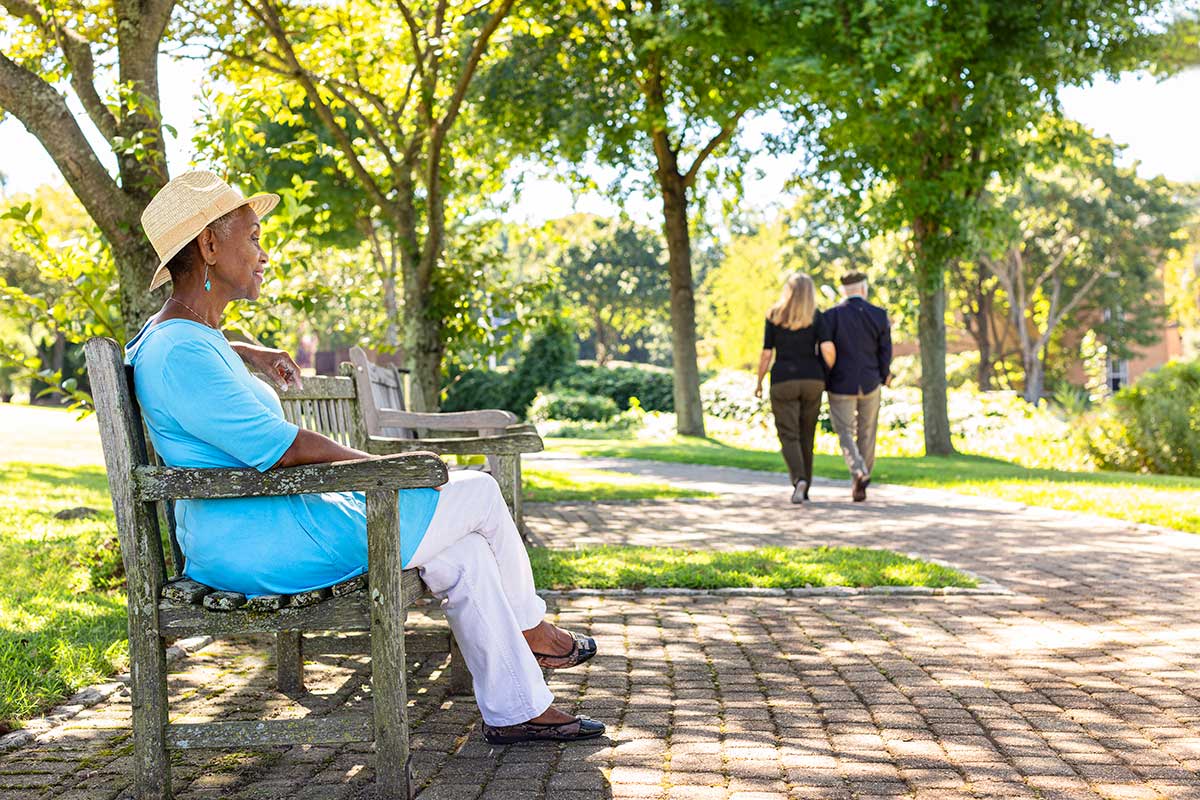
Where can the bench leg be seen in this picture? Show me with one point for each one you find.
(506, 469)
(289, 660)
(460, 676)
(389, 691)
(148, 696)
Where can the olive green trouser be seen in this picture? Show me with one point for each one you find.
(796, 405)
(855, 417)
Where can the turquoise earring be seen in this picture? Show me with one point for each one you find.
(207, 282)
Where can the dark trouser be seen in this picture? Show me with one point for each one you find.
(796, 405)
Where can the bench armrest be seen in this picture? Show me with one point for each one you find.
(503, 444)
(489, 420)
(410, 470)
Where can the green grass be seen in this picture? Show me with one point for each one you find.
(549, 485)
(619, 567)
(62, 612)
(1165, 500)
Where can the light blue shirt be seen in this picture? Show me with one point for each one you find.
(203, 408)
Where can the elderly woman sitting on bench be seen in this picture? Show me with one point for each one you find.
(203, 408)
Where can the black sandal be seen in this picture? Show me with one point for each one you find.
(583, 648)
(575, 730)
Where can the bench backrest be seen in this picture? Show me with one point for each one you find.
(123, 438)
(387, 389)
(325, 404)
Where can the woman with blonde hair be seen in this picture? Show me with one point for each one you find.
(794, 331)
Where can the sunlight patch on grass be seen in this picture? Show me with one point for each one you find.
(62, 609)
(625, 567)
(1167, 500)
(550, 485)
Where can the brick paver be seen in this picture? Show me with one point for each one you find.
(1082, 684)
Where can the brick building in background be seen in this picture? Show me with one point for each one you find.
(1118, 372)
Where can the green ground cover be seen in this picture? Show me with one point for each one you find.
(1155, 499)
(624, 567)
(548, 485)
(62, 606)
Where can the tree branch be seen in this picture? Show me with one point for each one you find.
(410, 20)
(43, 111)
(723, 136)
(477, 51)
(77, 52)
(269, 15)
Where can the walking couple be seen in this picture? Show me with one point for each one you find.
(846, 352)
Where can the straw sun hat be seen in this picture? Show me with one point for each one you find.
(185, 206)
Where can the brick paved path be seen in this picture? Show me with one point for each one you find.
(1081, 685)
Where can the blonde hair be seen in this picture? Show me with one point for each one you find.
(797, 303)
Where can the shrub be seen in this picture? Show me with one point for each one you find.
(572, 405)
(1151, 426)
(551, 355)
(652, 386)
(482, 389)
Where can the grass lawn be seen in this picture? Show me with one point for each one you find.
(622, 567)
(1156, 499)
(543, 484)
(62, 606)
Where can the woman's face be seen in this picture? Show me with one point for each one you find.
(238, 259)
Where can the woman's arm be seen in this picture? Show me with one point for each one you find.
(829, 353)
(310, 447)
(276, 364)
(764, 364)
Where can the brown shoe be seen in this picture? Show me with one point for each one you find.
(583, 648)
(576, 729)
(859, 490)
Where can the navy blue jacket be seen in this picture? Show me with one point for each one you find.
(863, 338)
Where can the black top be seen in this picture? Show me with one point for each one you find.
(796, 354)
(863, 338)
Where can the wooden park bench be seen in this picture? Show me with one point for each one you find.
(162, 609)
(493, 433)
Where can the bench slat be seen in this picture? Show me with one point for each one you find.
(348, 613)
(341, 728)
(185, 591)
(224, 601)
(401, 472)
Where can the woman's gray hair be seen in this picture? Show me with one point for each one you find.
(181, 263)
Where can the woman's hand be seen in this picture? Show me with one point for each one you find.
(276, 364)
(758, 391)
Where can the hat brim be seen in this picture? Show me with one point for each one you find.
(260, 204)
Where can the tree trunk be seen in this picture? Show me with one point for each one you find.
(136, 262)
(1035, 375)
(602, 349)
(689, 413)
(423, 347)
(931, 333)
(983, 338)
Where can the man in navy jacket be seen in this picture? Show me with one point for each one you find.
(859, 355)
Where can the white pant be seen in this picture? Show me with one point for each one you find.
(473, 559)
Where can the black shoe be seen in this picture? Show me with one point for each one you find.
(583, 648)
(575, 730)
(859, 490)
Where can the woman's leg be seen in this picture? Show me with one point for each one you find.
(508, 683)
(786, 409)
(471, 503)
(810, 410)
